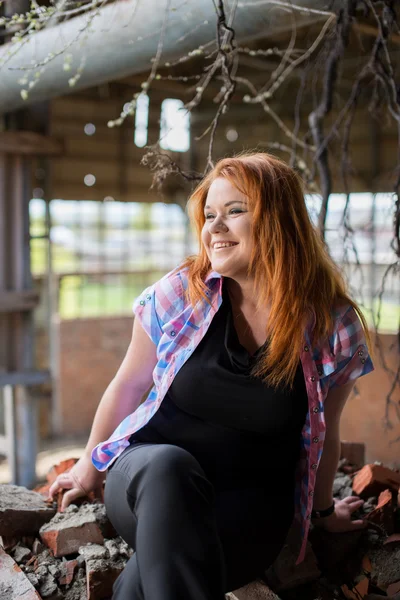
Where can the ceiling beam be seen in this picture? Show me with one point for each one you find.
(29, 143)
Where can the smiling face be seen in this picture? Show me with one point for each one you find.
(226, 233)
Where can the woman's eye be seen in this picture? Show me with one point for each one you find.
(233, 211)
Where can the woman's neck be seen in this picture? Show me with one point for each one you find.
(241, 293)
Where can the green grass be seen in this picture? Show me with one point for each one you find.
(82, 298)
(389, 317)
(63, 260)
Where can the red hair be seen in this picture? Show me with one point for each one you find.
(292, 270)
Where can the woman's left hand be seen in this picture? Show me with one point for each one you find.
(340, 520)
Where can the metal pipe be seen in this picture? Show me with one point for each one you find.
(121, 40)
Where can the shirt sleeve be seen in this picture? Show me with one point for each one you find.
(145, 309)
(350, 349)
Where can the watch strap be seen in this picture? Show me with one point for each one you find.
(320, 514)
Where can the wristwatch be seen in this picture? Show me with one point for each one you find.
(320, 514)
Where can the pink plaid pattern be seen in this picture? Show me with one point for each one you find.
(176, 328)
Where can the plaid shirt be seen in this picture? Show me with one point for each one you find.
(176, 328)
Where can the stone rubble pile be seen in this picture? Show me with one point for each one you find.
(77, 555)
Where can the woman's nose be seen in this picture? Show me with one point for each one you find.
(218, 225)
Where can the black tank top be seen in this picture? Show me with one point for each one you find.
(241, 431)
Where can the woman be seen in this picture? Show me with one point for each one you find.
(251, 349)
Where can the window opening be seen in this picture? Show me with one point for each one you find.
(175, 126)
(141, 120)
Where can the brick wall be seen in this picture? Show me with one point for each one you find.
(91, 351)
(363, 415)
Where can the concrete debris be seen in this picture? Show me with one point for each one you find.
(256, 590)
(385, 563)
(93, 551)
(13, 583)
(79, 555)
(21, 553)
(342, 486)
(37, 547)
(118, 547)
(49, 587)
(22, 512)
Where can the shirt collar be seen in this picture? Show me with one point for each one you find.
(211, 275)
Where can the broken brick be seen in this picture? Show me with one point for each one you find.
(70, 530)
(100, 577)
(8, 542)
(392, 539)
(353, 452)
(68, 570)
(284, 574)
(360, 590)
(393, 589)
(22, 511)
(62, 467)
(374, 479)
(14, 584)
(383, 513)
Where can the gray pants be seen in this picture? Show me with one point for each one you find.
(190, 542)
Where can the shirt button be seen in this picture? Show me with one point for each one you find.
(314, 466)
(148, 297)
(312, 378)
(315, 440)
(360, 353)
(363, 360)
(311, 493)
(142, 302)
(308, 517)
(315, 409)
(173, 333)
(306, 348)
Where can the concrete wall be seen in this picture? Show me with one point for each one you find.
(92, 349)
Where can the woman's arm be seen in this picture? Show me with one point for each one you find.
(340, 520)
(333, 407)
(125, 392)
(121, 398)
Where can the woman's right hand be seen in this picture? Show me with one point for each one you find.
(79, 481)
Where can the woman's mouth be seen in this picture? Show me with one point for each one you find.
(223, 245)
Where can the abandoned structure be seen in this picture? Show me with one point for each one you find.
(80, 223)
